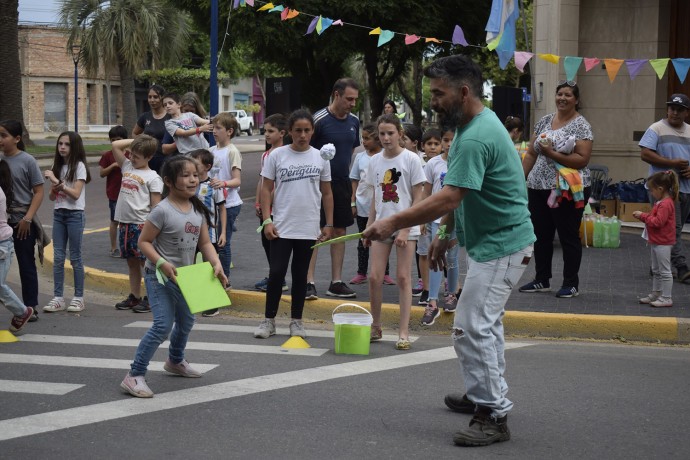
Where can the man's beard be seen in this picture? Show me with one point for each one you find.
(452, 119)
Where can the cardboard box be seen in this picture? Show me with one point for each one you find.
(608, 208)
(625, 210)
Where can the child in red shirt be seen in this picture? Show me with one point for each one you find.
(660, 227)
(111, 171)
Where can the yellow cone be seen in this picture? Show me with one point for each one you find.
(295, 342)
(8, 337)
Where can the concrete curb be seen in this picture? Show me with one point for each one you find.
(532, 324)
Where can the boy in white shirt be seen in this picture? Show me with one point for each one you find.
(140, 191)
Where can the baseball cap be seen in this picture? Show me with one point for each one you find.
(679, 99)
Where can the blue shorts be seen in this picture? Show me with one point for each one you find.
(111, 205)
(128, 237)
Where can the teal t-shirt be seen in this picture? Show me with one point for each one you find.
(494, 217)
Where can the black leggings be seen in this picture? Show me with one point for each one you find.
(362, 252)
(265, 243)
(281, 249)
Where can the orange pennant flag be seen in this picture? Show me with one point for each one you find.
(292, 14)
(612, 67)
(429, 39)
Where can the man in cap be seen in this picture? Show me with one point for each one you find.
(666, 145)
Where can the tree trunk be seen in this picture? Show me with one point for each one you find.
(376, 96)
(414, 100)
(129, 107)
(11, 106)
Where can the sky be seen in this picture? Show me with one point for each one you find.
(38, 11)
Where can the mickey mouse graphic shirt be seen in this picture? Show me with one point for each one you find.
(392, 180)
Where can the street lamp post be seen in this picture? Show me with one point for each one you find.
(76, 54)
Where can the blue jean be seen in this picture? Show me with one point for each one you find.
(25, 251)
(225, 254)
(68, 226)
(453, 270)
(170, 314)
(7, 295)
(478, 328)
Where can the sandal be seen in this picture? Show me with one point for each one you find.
(376, 333)
(402, 344)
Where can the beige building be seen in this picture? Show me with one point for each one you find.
(48, 86)
(621, 111)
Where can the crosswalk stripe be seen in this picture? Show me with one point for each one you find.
(206, 346)
(96, 363)
(251, 329)
(43, 388)
(31, 425)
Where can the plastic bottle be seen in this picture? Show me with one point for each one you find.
(598, 233)
(615, 233)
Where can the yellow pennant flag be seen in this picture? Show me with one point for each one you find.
(552, 58)
(376, 31)
(267, 6)
(659, 66)
(612, 67)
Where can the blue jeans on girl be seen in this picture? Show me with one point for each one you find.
(170, 314)
(68, 226)
(225, 254)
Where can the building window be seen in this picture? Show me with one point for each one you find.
(110, 104)
(226, 103)
(55, 111)
(91, 104)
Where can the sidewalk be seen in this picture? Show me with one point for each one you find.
(611, 281)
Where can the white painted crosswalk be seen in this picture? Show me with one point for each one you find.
(43, 388)
(93, 363)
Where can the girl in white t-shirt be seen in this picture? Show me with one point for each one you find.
(68, 176)
(397, 178)
(296, 182)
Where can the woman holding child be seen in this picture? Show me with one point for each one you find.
(558, 187)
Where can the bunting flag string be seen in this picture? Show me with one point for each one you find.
(495, 42)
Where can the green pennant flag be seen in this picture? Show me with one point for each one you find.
(659, 66)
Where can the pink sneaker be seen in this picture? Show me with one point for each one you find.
(388, 280)
(18, 322)
(136, 386)
(182, 368)
(359, 279)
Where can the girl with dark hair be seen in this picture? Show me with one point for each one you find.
(174, 230)
(389, 107)
(296, 183)
(67, 177)
(21, 314)
(515, 128)
(22, 209)
(153, 124)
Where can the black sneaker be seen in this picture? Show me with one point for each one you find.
(536, 286)
(430, 315)
(311, 292)
(143, 307)
(210, 313)
(129, 303)
(683, 273)
(460, 403)
(483, 430)
(424, 298)
(34, 317)
(340, 289)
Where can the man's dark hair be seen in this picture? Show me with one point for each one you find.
(458, 70)
(343, 83)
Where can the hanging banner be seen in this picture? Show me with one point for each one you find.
(571, 64)
(612, 67)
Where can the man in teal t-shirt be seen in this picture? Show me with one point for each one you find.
(485, 180)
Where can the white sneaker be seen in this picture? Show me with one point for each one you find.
(55, 304)
(650, 298)
(662, 302)
(76, 305)
(266, 329)
(297, 329)
(136, 386)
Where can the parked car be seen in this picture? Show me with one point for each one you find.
(246, 121)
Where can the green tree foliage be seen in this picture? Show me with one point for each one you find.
(127, 35)
(180, 80)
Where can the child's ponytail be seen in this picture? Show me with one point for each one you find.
(668, 180)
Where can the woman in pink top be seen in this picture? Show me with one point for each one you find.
(660, 227)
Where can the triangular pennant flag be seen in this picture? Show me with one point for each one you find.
(504, 57)
(338, 22)
(250, 2)
(312, 25)
(552, 58)
(459, 37)
(493, 43)
(590, 63)
(292, 14)
(431, 39)
(612, 67)
(235, 4)
(267, 6)
(659, 66)
(283, 15)
(376, 31)
(681, 65)
(571, 64)
(634, 66)
(276, 9)
(323, 24)
(385, 36)
(410, 39)
(522, 58)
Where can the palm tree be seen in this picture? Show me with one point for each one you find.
(129, 35)
(10, 71)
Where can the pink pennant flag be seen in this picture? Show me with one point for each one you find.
(459, 37)
(250, 2)
(338, 22)
(410, 39)
(522, 58)
(591, 63)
